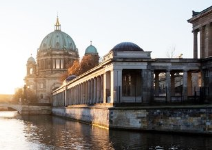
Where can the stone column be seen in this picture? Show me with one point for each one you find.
(82, 87)
(189, 81)
(168, 86)
(185, 85)
(172, 84)
(210, 85)
(157, 83)
(209, 39)
(89, 92)
(202, 42)
(195, 48)
(80, 94)
(101, 89)
(116, 85)
(104, 88)
(87, 100)
(119, 86)
(95, 91)
(66, 96)
(146, 77)
(92, 91)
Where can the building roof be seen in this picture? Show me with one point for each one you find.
(126, 46)
(57, 40)
(91, 49)
(196, 15)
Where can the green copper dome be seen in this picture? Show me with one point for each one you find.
(91, 50)
(58, 40)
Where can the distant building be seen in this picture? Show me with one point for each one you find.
(57, 50)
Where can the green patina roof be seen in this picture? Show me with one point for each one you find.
(57, 40)
(91, 50)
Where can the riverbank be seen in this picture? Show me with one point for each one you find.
(178, 119)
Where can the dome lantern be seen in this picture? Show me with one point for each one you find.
(57, 25)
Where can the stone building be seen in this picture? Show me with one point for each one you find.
(202, 39)
(57, 50)
(128, 74)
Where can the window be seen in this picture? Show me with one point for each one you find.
(31, 71)
(41, 85)
(57, 63)
(62, 64)
(53, 63)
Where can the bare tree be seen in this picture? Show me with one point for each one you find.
(170, 52)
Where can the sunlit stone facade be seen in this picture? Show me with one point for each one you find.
(57, 50)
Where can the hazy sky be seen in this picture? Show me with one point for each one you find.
(154, 25)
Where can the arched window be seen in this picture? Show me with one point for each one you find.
(31, 71)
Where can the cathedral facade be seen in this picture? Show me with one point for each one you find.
(57, 51)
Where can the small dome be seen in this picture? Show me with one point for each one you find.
(71, 77)
(91, 50)
(126, 46)
(31, 59)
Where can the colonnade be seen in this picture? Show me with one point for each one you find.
(87, 92)
(106, 87)
(170, 85)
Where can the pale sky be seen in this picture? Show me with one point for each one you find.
(154, 25)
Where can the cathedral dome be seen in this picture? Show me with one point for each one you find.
(31, 59)
(126, 46)
(91, 50)
(57, 40)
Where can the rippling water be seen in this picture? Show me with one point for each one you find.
(51, 133)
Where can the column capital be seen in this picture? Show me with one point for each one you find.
(195, 31)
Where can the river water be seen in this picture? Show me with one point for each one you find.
(45, 132)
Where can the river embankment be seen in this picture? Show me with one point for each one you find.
(179, 119)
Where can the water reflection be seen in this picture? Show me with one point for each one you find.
(47, 132)
(65, 134)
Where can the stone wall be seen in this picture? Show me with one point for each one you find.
(174, 119)
(35, 110)
(94, 115)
